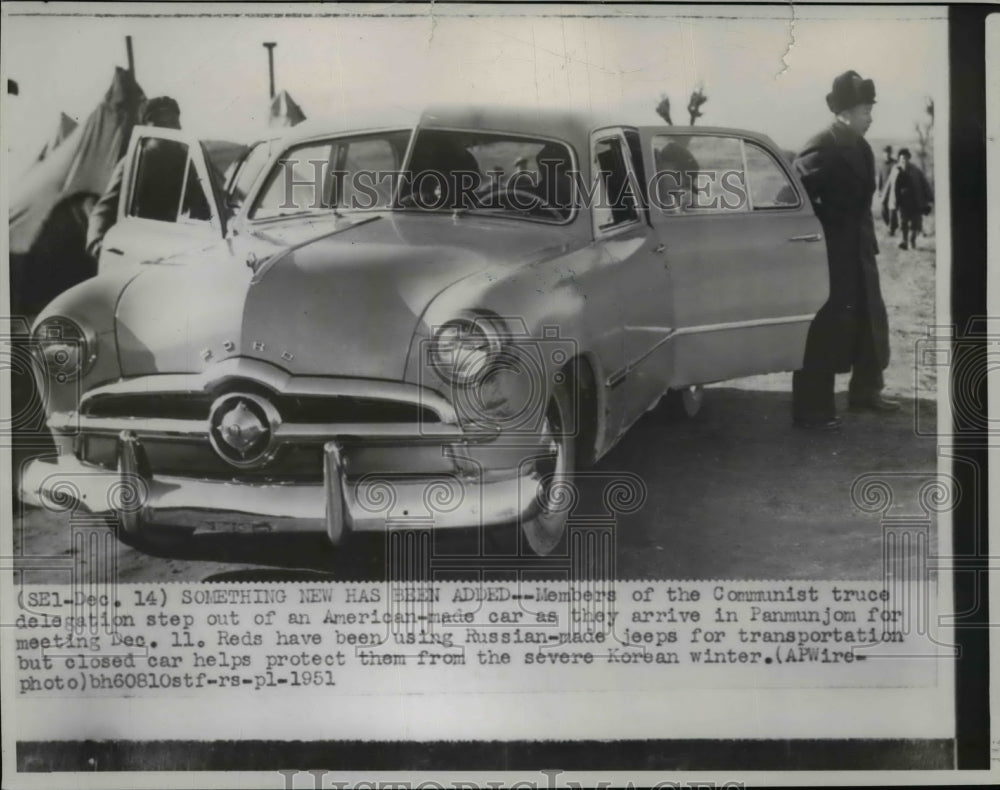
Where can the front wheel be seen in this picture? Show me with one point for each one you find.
(157, 541)
(684, 403)
(545, 528)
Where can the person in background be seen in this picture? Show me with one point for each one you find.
(889, 216)
(913, 198)
(851, 331)
(162, 112)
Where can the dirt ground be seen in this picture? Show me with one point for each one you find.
(735, 493)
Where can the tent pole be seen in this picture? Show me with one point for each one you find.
(128, 53)
(270, 45)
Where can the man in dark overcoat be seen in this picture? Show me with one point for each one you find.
(851, 331)
(914, 198)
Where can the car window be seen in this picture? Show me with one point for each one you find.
(366, 169)
(512, 176)
(698, 174)
(769, 186)
(614, 200)
(298, 182)
(167, 187)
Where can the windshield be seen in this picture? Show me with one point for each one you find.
(484, 172)
(244, 172)
(507, 175)
(352, 173)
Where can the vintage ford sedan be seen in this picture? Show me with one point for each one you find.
(435, 323)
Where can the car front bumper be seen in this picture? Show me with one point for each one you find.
(337, 506)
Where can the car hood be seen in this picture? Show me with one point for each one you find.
(337, 296)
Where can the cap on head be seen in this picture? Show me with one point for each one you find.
(905, 152)
(850, 90)
(888, 149)
(152, 109)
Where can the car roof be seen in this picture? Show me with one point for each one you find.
(574, 126)
(357, 120)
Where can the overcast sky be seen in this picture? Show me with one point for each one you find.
(543, 55)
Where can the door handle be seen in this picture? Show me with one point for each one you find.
(808, 237)
(114, 250)
(659, 248)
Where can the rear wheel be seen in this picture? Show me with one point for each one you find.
(684, 403)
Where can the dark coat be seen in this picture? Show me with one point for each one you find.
(913, 194)
(838, 169)
(157, 192)
(104, 214)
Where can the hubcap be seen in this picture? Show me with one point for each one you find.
(554, 496)
(550, 468)
(692, 399)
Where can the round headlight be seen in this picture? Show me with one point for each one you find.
(63, 349)
(463, 350)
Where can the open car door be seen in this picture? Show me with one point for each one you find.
(170, 200)
(743, 249)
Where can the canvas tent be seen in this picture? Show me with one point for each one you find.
(49, 205)
(64, 128)
(284, 111)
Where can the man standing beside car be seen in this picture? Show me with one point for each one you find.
(162, 112)
(851, 331)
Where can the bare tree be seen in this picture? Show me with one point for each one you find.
(663, 110)
(697, 99)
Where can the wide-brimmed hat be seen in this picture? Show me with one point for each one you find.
(850, 90)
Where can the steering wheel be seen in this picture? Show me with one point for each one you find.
(408, 200)
(516, 199)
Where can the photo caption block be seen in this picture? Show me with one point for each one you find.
(428, 638)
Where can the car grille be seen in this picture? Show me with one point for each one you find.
(192, 458)
(195, 457)
(292, 408)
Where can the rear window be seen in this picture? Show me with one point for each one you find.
(770, 186)
(698, 174)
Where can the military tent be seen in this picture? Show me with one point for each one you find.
(50, 203)
(284, 111)
(63, 130)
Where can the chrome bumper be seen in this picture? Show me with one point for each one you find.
(337, 506)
